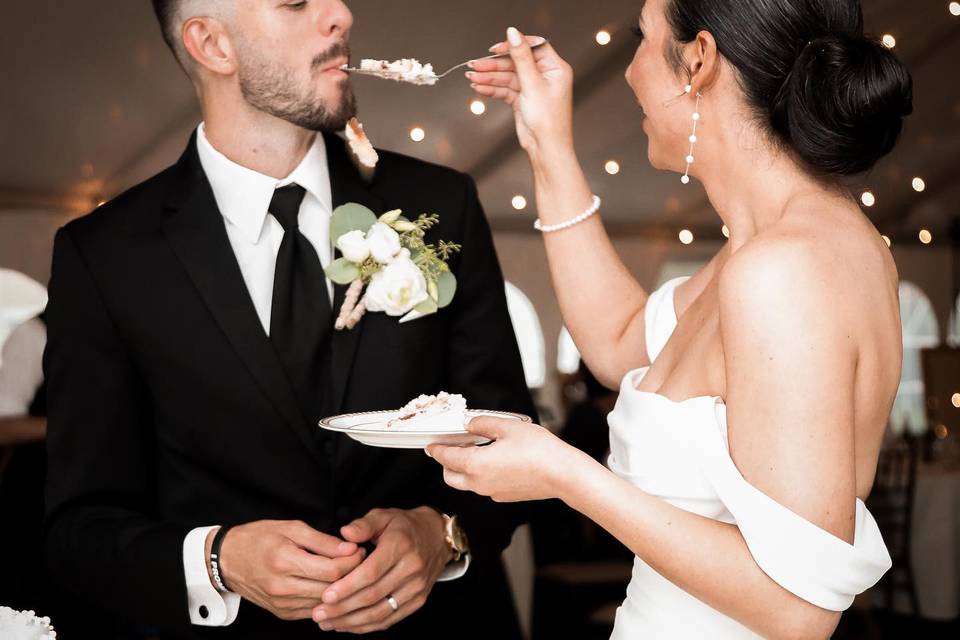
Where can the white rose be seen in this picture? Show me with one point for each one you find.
(384, 243)
(397, 288)
(354, 246)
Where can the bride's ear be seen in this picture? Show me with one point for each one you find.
(702, 61)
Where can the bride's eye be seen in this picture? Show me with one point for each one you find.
(296, 6)
(637, 31)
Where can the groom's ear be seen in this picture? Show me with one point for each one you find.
(703, 61)
(209, 46)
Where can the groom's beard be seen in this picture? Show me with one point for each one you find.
(273, 89)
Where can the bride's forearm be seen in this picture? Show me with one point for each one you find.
(600, 300)
(706, 558)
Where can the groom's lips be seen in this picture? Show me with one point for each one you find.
(335, 66)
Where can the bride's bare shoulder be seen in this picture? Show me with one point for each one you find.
(828, 259)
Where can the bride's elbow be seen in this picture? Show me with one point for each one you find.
(606, 368)
(807, 623)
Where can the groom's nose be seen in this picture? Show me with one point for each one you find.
(336, 19)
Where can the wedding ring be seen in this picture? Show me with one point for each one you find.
(393, 603)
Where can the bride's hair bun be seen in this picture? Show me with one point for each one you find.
(833, 96)
(841, 107)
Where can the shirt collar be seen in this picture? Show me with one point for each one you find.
(243, 195)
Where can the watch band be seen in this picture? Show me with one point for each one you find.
(215, 559)
(455, 536)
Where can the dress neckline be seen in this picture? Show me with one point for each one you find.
(630, 384)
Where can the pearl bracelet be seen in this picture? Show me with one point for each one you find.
(549, 228)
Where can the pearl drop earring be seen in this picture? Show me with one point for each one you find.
(685, 178)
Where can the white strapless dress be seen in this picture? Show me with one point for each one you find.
(678, 451)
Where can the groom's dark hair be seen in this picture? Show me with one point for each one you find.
(170, 14)
(166, 11)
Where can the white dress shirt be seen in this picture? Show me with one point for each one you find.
(243, 197)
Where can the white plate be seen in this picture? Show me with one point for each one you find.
(370, 428)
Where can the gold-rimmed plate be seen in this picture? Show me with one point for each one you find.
(370, 428)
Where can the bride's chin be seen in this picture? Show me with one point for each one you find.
(655, 160)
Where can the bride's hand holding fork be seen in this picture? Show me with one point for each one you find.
(538, 84)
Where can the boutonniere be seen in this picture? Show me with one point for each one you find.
(388, 265)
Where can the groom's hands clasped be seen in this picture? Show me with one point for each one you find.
(284, 566)
(411, 553)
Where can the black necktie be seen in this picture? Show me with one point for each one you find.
(301, 317)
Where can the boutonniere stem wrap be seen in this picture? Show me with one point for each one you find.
(388, 265)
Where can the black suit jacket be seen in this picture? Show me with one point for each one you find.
(169, 409)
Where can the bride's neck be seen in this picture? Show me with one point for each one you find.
(751, 183)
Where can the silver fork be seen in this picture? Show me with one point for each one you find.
(380, 74)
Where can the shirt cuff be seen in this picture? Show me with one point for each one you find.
(456, 569)
(207, 605)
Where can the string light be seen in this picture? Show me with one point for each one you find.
(941, 431)
(868, 199)
(725, 231)
(603, 37)
(887, 240)
(417, 134)
(955, 400)
(519, 202)
(478, 107)
(955, 8)
(889, 41)
(919, 185)
(612, 167)
(925, 236)
(686, 236)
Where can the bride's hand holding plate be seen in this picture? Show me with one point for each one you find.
(525, 462)
(537, 83)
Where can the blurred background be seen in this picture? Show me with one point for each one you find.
(94, 103)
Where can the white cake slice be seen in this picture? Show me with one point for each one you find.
(403, 70)
(24, 625)
(442, 412)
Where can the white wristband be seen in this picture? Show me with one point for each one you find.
(549, 228)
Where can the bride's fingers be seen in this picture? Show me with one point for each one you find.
(499, 93)
(527, 71)
(504, 46)
(493, 64)
(455, 480)
(496, 79)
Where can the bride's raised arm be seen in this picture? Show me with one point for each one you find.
(601, 302)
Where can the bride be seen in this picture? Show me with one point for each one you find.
(754, 395)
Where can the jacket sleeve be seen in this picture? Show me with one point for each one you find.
(484, 365)
(103, 538)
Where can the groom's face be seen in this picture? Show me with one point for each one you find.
(288, 58)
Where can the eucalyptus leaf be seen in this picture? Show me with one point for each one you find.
(433, 289)
(342, 271)
(447, 284)
(350, 217)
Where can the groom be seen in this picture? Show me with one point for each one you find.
(191, 353)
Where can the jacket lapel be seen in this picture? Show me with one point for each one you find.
(347, 186)
(194, 228)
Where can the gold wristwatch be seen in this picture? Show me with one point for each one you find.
(456, 537)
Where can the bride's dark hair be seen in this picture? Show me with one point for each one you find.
(835, 96)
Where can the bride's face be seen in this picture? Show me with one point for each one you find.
(659, 91)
